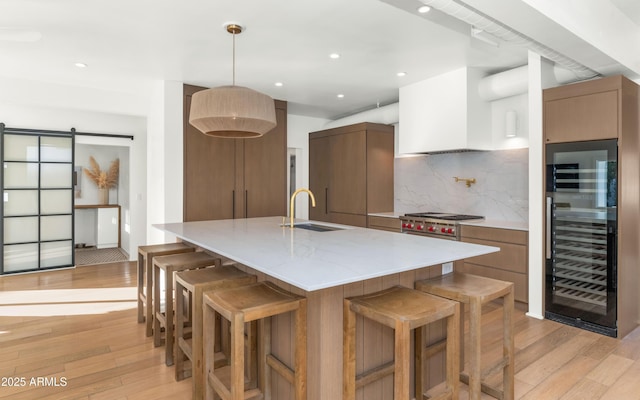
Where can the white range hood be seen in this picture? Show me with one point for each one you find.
(444, 114)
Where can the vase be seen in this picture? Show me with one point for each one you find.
(103, 196)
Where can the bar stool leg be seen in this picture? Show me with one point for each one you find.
(209, 332)
(508, 351)
(452, 354)
(401, 360)
(349, 353)
(265, 349)
(179, 361)
(140, 286)
(157, 340)
(168, 325)
(475, 343)
(237, 349)
(419, 361)
(149, 307)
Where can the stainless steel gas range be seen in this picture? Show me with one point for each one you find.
(436, 224)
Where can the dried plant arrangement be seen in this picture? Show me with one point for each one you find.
(103, 179)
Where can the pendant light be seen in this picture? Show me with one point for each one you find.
(232, 111)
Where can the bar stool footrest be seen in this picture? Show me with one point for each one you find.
(490, 390)
(435, 348)
(374, 374)
(281, 368)
(223, 374)
(496, 367)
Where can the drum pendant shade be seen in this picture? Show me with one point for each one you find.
(232, 111)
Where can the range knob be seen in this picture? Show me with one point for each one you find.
(450, 230)
(404, 224)
(419, 227)
(432, 229)
(410, 226)
(443, 230)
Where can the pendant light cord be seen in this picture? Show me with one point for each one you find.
(234, 58)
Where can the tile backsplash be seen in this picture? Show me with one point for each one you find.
(426, 183)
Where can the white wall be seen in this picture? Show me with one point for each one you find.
(164, 162)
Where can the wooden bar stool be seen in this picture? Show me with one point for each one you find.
(194, 283)
(476, 291)
(401, 309)
(145, 277)
(243, 304)
(170, 265)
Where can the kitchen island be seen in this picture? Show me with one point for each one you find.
(325, 267)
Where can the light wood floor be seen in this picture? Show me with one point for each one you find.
(78, 328)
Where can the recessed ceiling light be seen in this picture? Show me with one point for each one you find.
(401, 74)
(340, 96)
(424, 9)
(80, 65)
(279, 84)
(335, 56)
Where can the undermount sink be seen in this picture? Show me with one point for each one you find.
(316, 228)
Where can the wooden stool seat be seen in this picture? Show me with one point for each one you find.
(196, 283)
(256, 302)
(403, 310)
(145, 277)
(170, 265)
(475, 291)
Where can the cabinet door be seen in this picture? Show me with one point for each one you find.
(319, 160)
(348, 173)
(209, 173)
(108, 231)
(580, 118)
(265, 172)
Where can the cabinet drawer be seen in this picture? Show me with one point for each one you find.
(384, 223)
(511, 257)
(349, 219)
(494, 234)
(520, 284)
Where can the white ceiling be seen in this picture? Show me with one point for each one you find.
(128, 44)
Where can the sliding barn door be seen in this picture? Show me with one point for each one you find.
(37, 206)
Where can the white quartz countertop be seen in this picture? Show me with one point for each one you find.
(317, 260)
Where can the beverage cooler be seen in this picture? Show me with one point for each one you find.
(581, 234)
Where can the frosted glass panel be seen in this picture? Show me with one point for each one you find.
(55, 149)
(56, 254)
(20, 202)
(55, 227)
(55, 201)
(20, 148)
(20, 257)
(56, 176)
(20, 229)
(20, 175)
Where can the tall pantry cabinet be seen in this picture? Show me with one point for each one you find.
(234, 178)
(351, 172)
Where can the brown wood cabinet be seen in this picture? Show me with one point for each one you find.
(509, 264)
(234, 178)
(583, 111)
(351, 172)
(384, 223)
